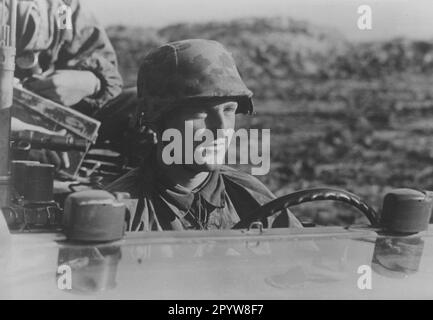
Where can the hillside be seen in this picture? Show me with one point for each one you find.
(281, 52)
(264, 49)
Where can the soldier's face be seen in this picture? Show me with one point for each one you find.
(204, 127)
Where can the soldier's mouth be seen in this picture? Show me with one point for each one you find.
(219, 144)
(213, 153)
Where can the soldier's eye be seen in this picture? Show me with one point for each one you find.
(230, 107)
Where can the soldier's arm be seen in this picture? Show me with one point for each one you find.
(88, 48)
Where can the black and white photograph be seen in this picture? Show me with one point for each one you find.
(216, 155)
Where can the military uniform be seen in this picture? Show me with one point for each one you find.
(83, 46)
(43, 45)
(169, 77)
(226, 197)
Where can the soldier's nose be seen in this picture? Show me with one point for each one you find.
(217, 121)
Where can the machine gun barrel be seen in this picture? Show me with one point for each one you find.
(7, 68)
(39, 140)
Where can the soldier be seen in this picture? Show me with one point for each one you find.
(64, 55)
(195, 82)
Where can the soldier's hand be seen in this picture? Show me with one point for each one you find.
(49, 157)
(60, 160)
(67, 87)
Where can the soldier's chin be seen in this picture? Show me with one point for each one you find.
(211, 161)
(205, 167)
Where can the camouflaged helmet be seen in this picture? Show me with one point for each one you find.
(191, 69)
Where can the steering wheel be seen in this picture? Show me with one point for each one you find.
(308, 195)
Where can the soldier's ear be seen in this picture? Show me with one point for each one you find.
(149, 133)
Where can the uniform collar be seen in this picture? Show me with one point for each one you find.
(212, 191)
